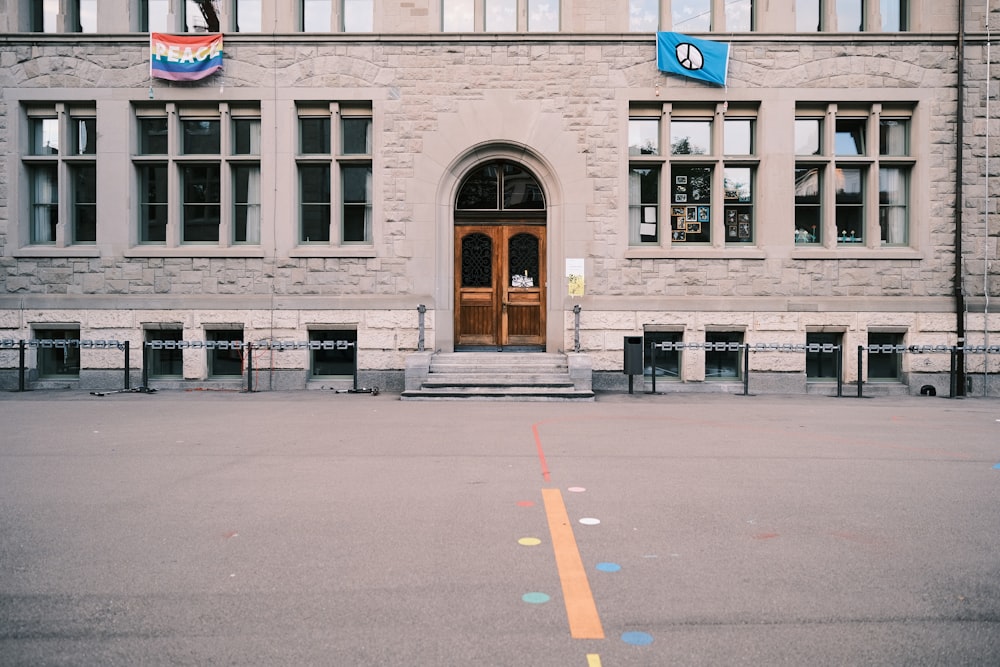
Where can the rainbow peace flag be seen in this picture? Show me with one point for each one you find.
(184, 57)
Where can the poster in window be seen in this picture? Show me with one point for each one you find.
(681, 180)
(680, 222)
(679, 236)
(744, 226)
(693, 228)
(692, 214)
(703, 213)
(680, 198)
(731, 231)
(677, 210)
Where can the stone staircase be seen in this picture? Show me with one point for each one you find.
(494, 376)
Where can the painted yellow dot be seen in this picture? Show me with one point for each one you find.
(529, 541)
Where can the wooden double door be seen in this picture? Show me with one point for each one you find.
(500, 285)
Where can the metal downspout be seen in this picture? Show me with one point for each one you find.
(960, 204)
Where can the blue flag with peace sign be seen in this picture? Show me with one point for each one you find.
(692, 57)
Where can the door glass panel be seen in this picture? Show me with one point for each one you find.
(477, 261)
(523, 260)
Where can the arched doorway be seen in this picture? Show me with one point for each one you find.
(500, 272)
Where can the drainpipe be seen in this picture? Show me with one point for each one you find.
(960, 204)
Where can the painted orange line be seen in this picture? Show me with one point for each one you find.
(584, 623)
(541, 453)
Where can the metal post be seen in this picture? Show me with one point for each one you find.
(576, 333)
(840, 371)
(128, 381)
(952, 378)
(145, 366)
(421, 309)
(860, 381)
(652, 362)
(20, 366)
(249, 351)
(746, 369)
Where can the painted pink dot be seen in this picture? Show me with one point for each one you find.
(525, 503)
(576, 489)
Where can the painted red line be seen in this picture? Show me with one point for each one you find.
(546, 475)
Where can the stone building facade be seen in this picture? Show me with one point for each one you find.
(318, 189)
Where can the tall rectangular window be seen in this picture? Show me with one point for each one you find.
(885, 363)
(225, 360)
(543, 15)
(895, 15)
(850, 15)
(501, 15)
(458, 15)
(248, 15)
(202, 16)
(643, 15)
(739, 16)
(823, 355)
(666, 363)
(850, 204)
(644, 204)
(153, 203)
(691, 15)
(44, 15)
(154, 16)
(61, 171)
(358, 15)
(316, 15)
(808, 15)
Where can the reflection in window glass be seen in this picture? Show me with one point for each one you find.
(850, 15)
(44, 15)
(314, 198)
(314, 135)
(850, 205)
(337, 352)
(225, 362)
(739, 15)
(248, 18)
(152, 203)
(154, 16)
(644, 136)
(807, 205)
(520, 189)
(357, 135)
(458, 15)
(165, 362)
(84, 203)
(44, 203)
(721, 364)
(201, 137)
(692, 15)
(850, 136)
(481, 190)
(807, 136)
(356, 187)
(317, 15)
(86, 16)
(44, 136)
(893, 192)
(501, 15)
(246, 204)
(738, 212)
(200, 205)
(83, 136)
(894, 15)
(821, 364)
(202, 16)
(153, 136)
(246, 136)
(893, 138)
(359, 16)
(738, 139)
(543, 15)
(643, 15)
(807, 16)
(643, 205)
(883, 366)
(690, 137)
(668, 362)
(61, 361)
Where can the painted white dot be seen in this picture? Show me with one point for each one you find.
(589, 521)
(576, 489)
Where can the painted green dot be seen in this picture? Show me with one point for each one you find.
(535, 598)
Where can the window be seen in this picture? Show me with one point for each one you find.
(58, 352)
(340, 172)
(691, 15)
(894, 15)
(668, 362)
(543, 15)
(165, 361)
(247, 16)
(501, 15)
(201, 16)
(710, 172)
(822, 364)
(333, 352)
(225, 360)
(317, 15)
(154, 16)
(808, 16)
(458, 15)
(214, 155)
(886, 364)
(739, 15)
(643, 15)
(723, 354)
(838, 168)
(61, 170)
(47, 16)
(358, 15)
(850, 15)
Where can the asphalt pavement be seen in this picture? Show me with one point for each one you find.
(315, 528)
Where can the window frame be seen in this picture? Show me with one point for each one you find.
(70, 217)
(833, 165)
(172, 162)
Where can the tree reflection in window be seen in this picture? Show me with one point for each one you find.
(482, 189)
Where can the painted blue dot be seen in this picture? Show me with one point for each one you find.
(608, 567)
(535, 598)
(996, 467)
(637, 638)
